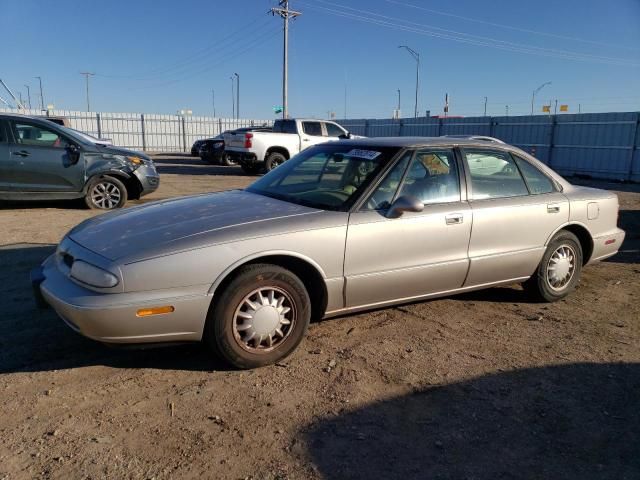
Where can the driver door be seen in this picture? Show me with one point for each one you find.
(40, 159)
(311, 134)
(419, 253)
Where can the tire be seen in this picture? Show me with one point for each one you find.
(273, 160)
(564, 252)
(231, 329)
(227, 161)
(106, 193)
(250, 169)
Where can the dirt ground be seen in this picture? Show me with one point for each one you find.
(480, 386)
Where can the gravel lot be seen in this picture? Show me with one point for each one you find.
(480, 386)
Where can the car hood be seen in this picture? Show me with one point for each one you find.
(169, 226)
(110, 149)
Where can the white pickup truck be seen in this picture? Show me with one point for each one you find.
(256, 151)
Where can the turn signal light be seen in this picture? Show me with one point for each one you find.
(610, 241)
(145, 312)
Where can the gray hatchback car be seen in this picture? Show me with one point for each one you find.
(40, 160)
(341, 227)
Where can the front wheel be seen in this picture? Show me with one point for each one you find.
(559, 270)
(260, 317)
(227, 161)
(106, 193)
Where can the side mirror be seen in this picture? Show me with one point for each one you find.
(345, 136)
(74, 153)
(405, 203)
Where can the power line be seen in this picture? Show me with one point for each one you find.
(428, 30)
(510, 27)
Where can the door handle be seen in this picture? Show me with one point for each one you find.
(305, 139)
(454, 219)
(553, 208)
(21, 153)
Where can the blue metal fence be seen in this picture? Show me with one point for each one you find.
(600, 145)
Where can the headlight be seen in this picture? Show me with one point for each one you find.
(94, 276)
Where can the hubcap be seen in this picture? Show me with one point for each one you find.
(106, 195)
(561, 267)
(264, 319)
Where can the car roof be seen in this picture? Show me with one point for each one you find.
(407, 142)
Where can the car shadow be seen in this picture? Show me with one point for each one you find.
(33, 340)
(629, 221)
(193, 166)
(76, 204)
(575, 421)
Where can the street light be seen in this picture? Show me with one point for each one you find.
(233, 101)
(28, 95)
(237, 95)
(416, 57)
(535, 92)
(41, 96)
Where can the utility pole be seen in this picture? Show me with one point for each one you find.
(28, 96)
(398, 101)
(485, 106)
(579, 108)
(535, 92)
(213, 101)
(416, 57)
(86, 77)
(237, 95)
(41, 95)
(555, 109)
(285, 13)
(233, 100)
(507, 110)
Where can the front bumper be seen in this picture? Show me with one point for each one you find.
(149, 179)
(112, 317)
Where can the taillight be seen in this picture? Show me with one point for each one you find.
(247, 140)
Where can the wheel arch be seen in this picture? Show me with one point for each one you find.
(276, 149)
(130, 182)
(584, 236)
(309, 272)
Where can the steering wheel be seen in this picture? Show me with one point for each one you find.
(508, 168)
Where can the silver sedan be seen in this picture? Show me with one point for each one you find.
(341, 227)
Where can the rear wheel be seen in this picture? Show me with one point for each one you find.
(273, 160)
(559, 270)
(106, 193)
(260, 317)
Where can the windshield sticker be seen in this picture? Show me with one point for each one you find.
(367, 154)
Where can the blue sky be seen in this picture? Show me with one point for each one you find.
(159, 56)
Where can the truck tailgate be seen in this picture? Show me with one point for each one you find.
(234, 139)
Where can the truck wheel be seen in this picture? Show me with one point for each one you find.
(259, 318)
(250, 169)
(273, 160)
(106, 193)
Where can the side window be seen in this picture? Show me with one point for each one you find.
(284, 126)
(313, 129)
(38, 136)
(3, 133)
(432, 177)
(382, 196)
(537, 181)
(494, 175)
(333, 130)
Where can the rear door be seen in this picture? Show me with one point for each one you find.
(6, 162)
(41, 161)
(515, 210)
(311, 134)
(419, 253)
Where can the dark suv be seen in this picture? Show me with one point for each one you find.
(41, 160)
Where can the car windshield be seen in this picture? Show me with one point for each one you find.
(79, 136)
(329, 176)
